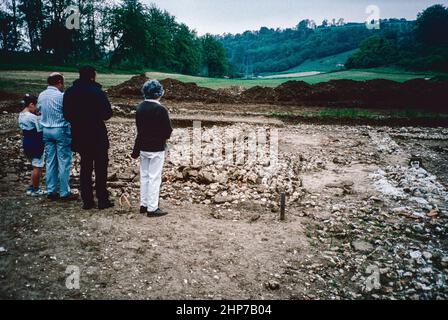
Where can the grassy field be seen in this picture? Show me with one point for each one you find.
(326, 64)
(359, 75)
(35, 81)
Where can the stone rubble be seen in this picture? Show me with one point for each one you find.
(390, 245)
(396, 236)
(211, 182)
(414, 188)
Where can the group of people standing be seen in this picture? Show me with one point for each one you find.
(56, 124)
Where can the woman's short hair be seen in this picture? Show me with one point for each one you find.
(153, 89)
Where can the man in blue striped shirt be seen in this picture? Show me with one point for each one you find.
(57, 138)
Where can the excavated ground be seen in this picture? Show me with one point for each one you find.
(361, 223)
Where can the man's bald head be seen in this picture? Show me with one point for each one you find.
(56, 79)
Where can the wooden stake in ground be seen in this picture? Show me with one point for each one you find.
(282, 206)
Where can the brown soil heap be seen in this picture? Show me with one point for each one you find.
(180, 91)
(131, 88)
(175, 90)
(383, 94)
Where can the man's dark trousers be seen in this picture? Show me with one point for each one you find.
(97, 160)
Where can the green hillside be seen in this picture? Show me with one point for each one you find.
(359, 75)
(326, 64)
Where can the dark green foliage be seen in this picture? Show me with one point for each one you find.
(125, 34)
(187, 51)
(33, 15)
(128, 34)
(269, 50)
(149, 37)
(128, 30)
(374, 52)
(5, 31)
(214, 56)
(425, 48)
(432, 26)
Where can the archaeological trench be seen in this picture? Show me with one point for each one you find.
(366, 203)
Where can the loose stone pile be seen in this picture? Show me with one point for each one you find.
(388, 245)
(211, 174)
(411, 186)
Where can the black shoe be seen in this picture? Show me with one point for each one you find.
(106, 205)
(88, 206)
(70, 197)
(53, 197)
(156, 214)
(143, 210)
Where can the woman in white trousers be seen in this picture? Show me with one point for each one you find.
(153, 130)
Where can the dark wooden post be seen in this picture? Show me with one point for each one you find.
(282, 206)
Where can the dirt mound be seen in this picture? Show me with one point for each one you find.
(259, 95)
(132, 87)
(232, 90)
(428, 94)
(382, 94)
(346, 93)
(175, 90)
(293, 91)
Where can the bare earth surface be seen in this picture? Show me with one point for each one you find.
(361, 223)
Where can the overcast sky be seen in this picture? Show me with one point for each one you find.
(235, 16)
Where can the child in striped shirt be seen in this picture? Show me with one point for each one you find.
(33, 145)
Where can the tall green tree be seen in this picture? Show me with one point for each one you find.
(187, 51)
(5, 30)
(10, 24)
(161, 27)
(128, 24)
(34, 19)
(215, 60)
(56, 38)
(15, 24)
(431, 27)
(125, 33)
(86, 40)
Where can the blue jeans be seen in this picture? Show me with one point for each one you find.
(58, 153)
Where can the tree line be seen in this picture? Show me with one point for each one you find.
(124, 34)
(276, 50)
(414, 45)
(425, 47)
(128, 35)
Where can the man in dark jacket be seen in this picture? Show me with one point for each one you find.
(86, 107)
(153, 130)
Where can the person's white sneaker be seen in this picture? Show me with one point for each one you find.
(29, 191)
(39, 193)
